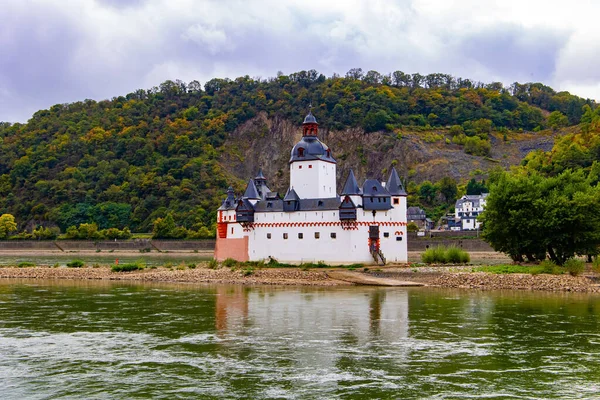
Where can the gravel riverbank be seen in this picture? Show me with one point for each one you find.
(463, 278)
(443, 277)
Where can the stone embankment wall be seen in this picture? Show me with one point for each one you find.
(414, 244)
(107, 245)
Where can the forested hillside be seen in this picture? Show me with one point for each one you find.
(175, 148)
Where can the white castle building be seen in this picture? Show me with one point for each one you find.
(363, 224)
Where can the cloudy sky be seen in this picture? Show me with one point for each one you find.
(59, 51)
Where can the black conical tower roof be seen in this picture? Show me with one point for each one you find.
(351, 186)
(291, 195)
(260, 175)
(251, 191)
(394, 184)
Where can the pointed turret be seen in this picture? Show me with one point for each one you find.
(394, 184)
(260, 177)
(291, 201)
(229, 202)
(351, 186)
(251, 192)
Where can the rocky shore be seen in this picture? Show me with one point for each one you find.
(443, 277)
(270, 276)
(462, 278)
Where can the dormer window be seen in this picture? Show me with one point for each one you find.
(269, 205)
(328, 153)
(301, 152)
(374, 188)
(320, 203)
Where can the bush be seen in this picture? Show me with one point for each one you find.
(212, 264)
(230, 262)
(596, 264)
(75, 264)
(127, 267)
(444, 255)
(26, 264)
(574, 266)
(549, 267)
(248, 271)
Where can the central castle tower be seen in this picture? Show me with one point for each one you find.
(362, 224)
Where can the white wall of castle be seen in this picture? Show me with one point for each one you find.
(313, 179)
(276, 234)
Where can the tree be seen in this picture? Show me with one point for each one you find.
(427, 192)
(7, 225)
(163, 228)
(528, 215)
(556, 120)
(448, 189)
(476, 188)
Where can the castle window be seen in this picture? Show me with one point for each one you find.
(299, 166)
(317, 235)
(301, 235)
(309, 165)
(396, 201)
(386, 234)
(300, 152)
(320, 203)
(268, 236)
(328, 153)
(232, 230)
(285, 235)
(333, 235)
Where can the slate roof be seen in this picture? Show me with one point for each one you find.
(251, 191)
(332, 203)
(351, 186)
(229, 202)
(260, 175)
(415, 213)
(394, 184)
(372, 188)
(291, 195)
(310, 119)
(474, 198)
(314, 149)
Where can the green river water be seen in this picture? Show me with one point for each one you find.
(101, 340)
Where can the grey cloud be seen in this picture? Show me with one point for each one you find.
(515, 52)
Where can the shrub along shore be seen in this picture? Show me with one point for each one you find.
(507, 277)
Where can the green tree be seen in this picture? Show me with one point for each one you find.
(528, 215)
(427, 192)
(556, 120)
(163, 228)
(448, 189)
(7, 225)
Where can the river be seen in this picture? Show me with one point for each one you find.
(96, 340)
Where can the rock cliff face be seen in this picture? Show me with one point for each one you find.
(266, 143)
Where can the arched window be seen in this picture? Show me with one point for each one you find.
(301, 152)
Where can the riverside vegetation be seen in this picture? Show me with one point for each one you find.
(160, 159)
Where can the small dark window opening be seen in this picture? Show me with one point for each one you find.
(269, 205)
(317, 235)
(268, 236)
(320, 203)
(371, 199)
(300, 152)
(386, 234)
(396, 201)
(310, 166)
(289, 202)
(374, 188)
(399, 239)
(300, 167)
(285, 235)
(301, 236)
(333, 235)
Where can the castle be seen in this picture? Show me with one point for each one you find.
(364, 224)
